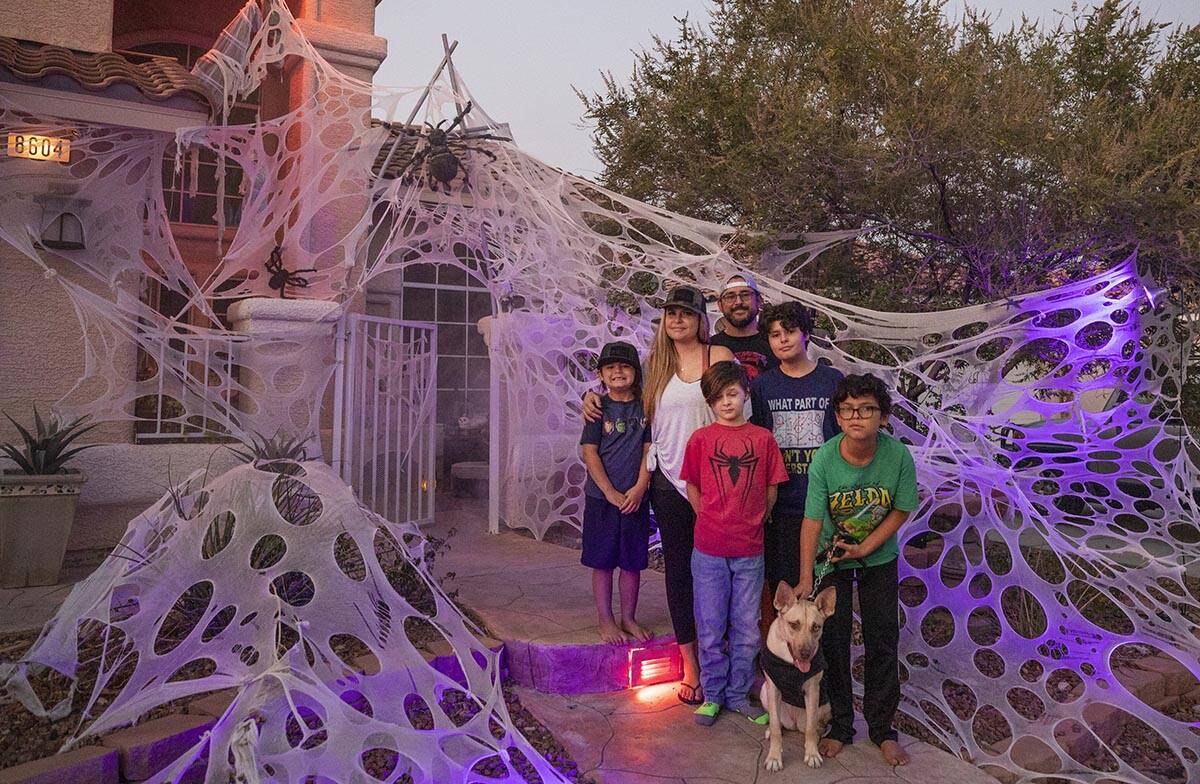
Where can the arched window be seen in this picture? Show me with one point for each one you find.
(65, 232)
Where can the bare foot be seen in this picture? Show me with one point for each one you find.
(893, 754)
(830, 748)
(610, 632)
(636, 631)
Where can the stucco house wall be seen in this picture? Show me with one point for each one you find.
(41, 345)
(75, 24)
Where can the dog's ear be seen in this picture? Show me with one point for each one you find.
(785, 597)
(826, 601)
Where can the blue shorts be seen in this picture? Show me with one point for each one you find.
(611, 539)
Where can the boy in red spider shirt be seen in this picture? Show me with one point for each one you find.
(731, 468)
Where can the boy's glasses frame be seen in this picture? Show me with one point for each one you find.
(860, 412)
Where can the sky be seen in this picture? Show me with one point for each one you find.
(523, 59)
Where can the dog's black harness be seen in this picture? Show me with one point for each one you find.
(788, 678)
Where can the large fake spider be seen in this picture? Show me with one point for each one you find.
(732, 466)
(440, 155)
(282, 278)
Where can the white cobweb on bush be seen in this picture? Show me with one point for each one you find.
(274, 581)
(1049, 568)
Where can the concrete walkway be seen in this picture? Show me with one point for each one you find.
(525, 589)
(539, 593)
(645, 736)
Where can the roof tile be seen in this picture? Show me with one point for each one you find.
(158, 78)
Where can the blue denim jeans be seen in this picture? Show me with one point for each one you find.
(727, 592)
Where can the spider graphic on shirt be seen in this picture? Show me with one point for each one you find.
(735, 467)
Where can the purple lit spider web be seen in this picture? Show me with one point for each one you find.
(1051, 555)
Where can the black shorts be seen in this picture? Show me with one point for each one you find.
(612, 539)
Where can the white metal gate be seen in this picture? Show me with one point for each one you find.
(385, 414)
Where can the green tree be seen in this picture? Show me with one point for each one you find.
(992, 161)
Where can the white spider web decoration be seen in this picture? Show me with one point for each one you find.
(1055, 542)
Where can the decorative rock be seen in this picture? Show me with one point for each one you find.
(367, 664)
(93, 764)
(148, 748)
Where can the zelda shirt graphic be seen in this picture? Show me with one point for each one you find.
(733, 468)
(859, 511)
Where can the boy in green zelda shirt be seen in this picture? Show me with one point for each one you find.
(862, 485)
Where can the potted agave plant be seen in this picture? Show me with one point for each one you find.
(37, 500)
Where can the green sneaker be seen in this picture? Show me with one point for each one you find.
(706, 714)
(752, 712)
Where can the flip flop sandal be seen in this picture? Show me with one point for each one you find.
(689, 695)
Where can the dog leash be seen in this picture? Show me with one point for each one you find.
(824, 566)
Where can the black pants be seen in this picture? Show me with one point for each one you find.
(879, 615)
(677, 526)
(781, 550)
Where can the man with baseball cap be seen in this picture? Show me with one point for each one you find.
(740, 303)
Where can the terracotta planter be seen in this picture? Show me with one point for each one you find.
(36, 513)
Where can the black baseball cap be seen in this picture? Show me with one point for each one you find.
(618, 351)
(685, 297)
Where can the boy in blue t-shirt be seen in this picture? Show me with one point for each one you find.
(616, 521)
(792, 401)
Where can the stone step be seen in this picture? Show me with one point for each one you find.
(586, 668)
(145, 749)
(92, 764)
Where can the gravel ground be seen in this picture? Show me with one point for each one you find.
(25, 737)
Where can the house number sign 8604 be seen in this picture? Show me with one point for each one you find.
(39, 148)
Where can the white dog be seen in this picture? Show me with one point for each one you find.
(794, 666)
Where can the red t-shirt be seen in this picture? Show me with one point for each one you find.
(733, 467)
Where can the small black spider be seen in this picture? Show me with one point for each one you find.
(441, 154)
(282, 278)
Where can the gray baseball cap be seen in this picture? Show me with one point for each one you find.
(685, 297)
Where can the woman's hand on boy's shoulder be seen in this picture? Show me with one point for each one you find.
(592, 407)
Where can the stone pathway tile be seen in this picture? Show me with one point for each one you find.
(646, 736)
(528, 590)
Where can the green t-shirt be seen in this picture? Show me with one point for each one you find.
(857, 498)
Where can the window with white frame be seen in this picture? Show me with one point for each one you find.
(191, 196)
(454, 300)
(205, 360)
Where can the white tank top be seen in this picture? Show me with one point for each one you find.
(681, 411)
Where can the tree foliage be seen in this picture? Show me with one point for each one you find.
(992, 161)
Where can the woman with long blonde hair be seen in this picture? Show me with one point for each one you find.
(675, 408)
